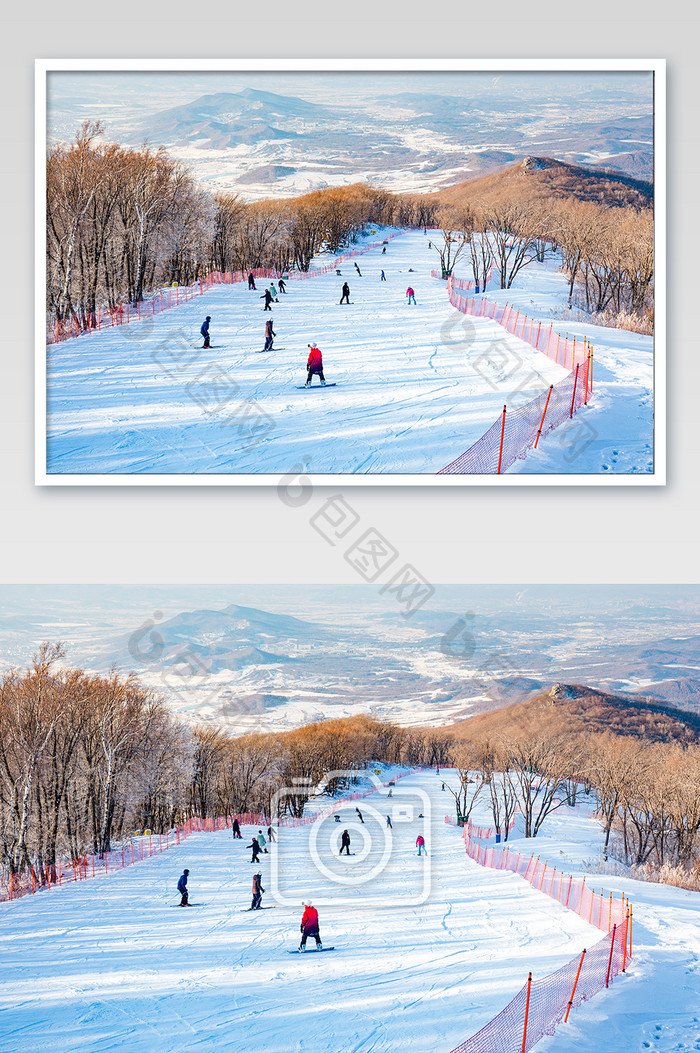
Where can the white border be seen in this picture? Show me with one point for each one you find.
(656, 66)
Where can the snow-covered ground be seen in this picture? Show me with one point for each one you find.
(416, 385)
(111, 963)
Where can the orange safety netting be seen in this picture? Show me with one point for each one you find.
(541, 1005)
(173, 296)
(519, 429)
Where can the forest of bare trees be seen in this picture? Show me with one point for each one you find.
(86, 760)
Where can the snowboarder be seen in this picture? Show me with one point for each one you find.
(257, 891)
(420, 844)
(383, 250)
(262, 841)
(358, 270)
(411, 295)
(345, 298)
(268, 298)
(182, 889)
(273, 290)
(282, 285)
(359, 816)
(251, 281)
(255, 846)
(309, 927)
(236, 829)
(270, 335)
(388, 822)
(336, 818)
(205, 331)
(338, 272)
(314, 365)
(390, 793)
(443, 786)
(344, 843)
(383, 277)
(270, 835)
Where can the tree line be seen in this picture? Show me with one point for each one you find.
(86, 760)
(122, 222)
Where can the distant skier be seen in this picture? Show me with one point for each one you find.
(383, 250)
(270, 835)
(430, 244)
(359, 816)
(390, 793)
(268, 298)
(345, 298)
(255, 846)
(388, 822)
(262, 841)
(309, 927)
(282, 285)
(338, 272)
(182, 889)
(358, 270)
(236, 829)
(336, 818)
(257, 891)
(251, 281)
(411, 295)
(273, 290)
(205, 331)
(443, 786)
(344, 843)
(270, 335)
(314, 365)
(383, 277)
(420, 844)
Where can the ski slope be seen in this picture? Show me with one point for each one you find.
(416, 385)
(112, 962)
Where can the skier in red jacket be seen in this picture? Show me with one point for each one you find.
(309, 927)
(314, 364)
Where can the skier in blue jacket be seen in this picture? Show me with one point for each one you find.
(182, 889)
(205, 330)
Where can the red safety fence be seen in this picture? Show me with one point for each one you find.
(476, 831)
(541, 1005)
(519, 429)
(172, 296)
(141, 846)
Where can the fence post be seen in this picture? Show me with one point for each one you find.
(503, 428)
(539, 887)
(624, 952)
(573, 990)
(568, 891)
(612, 945)
(571, 411)
(630, 930)
(539, 432)
(527, 1009)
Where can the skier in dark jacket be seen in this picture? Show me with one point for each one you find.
(344, 843)
(282, 285)
(251, 280)
(383, 277)
(359, 816)
(345, 298)
(257, 892)
(309, 927)
(314, 365)
(271, 835)
(270, 334)
(267, 297)
(358, 270)
(205, 331)
(236, 829)
(182, 889)
(256, 850)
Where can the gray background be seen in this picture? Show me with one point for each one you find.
(479, 534)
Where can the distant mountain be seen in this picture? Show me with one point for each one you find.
(232, 638)
(228, 119)
(576, 708)
(537, 179)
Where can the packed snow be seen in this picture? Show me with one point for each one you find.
(427, 949)
(416, 385)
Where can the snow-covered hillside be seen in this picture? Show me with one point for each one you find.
(112, 963)
(416, 385)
